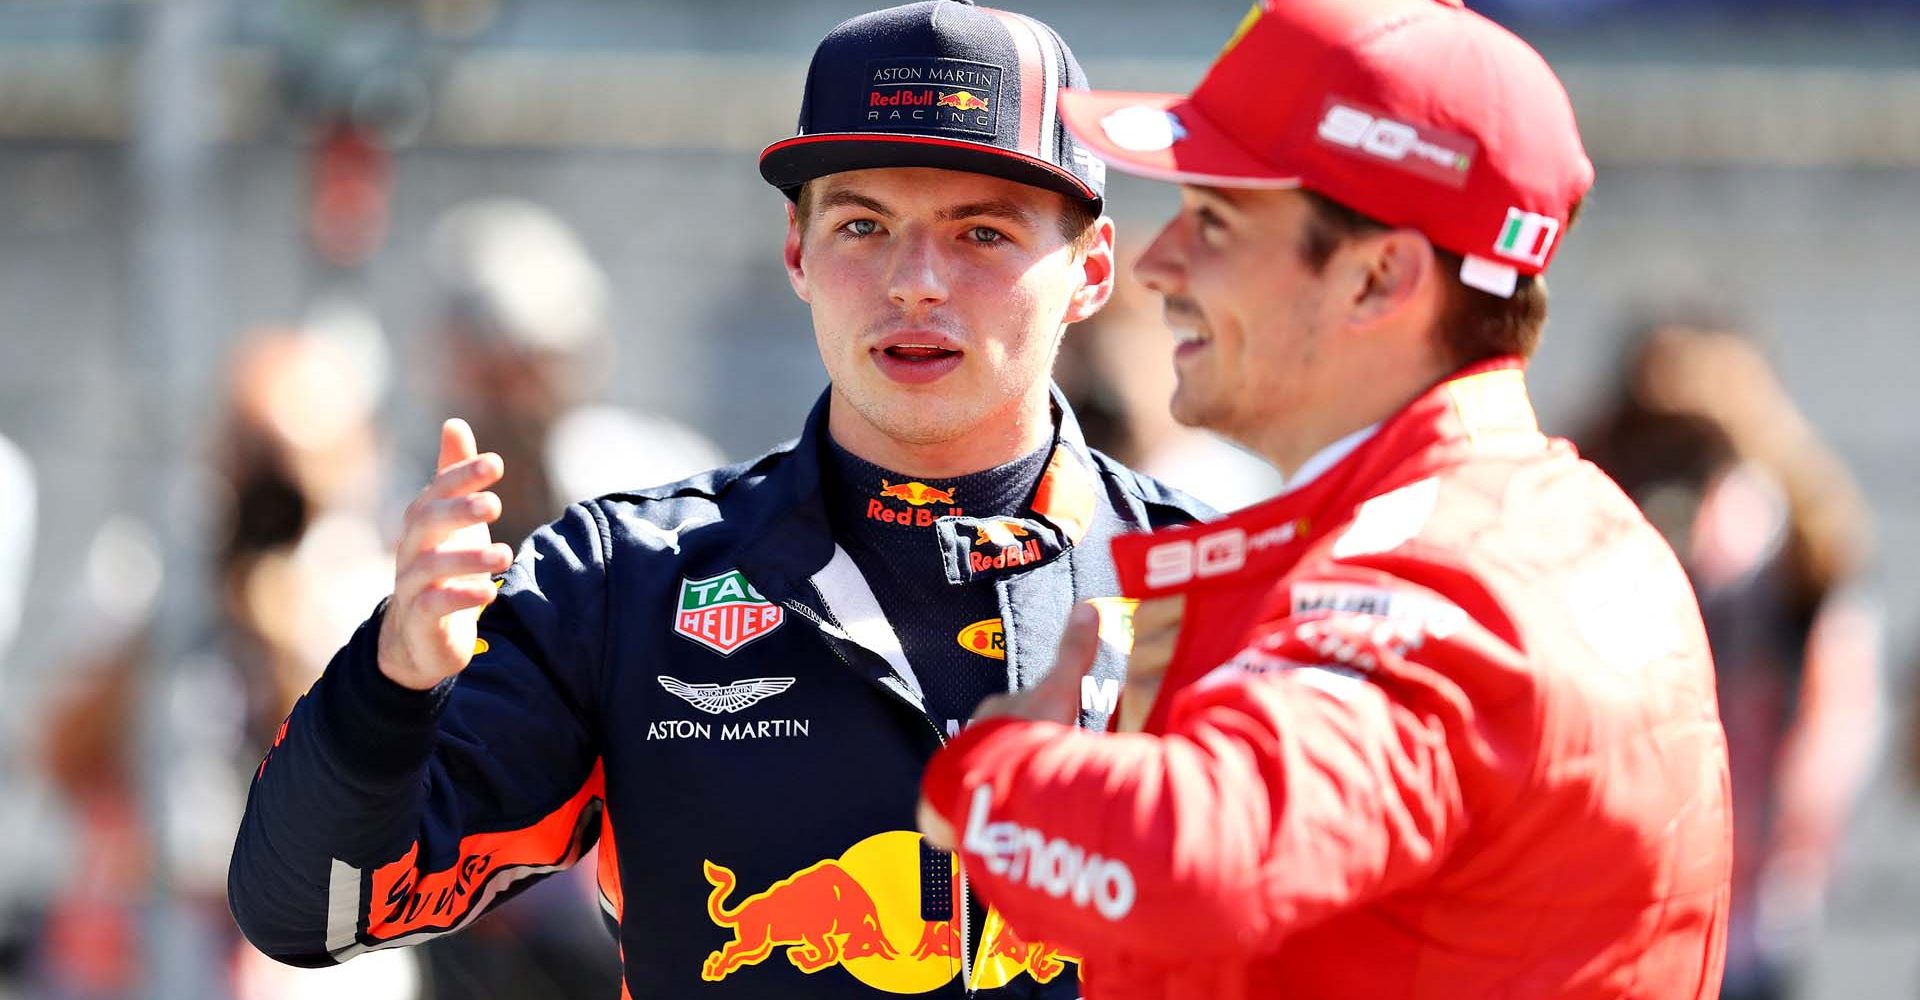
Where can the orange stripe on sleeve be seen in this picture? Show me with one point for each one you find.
(405, 900)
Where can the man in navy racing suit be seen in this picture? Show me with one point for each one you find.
(732, 683)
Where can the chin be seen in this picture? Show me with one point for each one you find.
(1192, 409)
(923, 420)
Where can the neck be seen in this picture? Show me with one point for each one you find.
(1365, 397)
(1019, 430)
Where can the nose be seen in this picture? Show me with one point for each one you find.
(1162, 266)
(918, 278)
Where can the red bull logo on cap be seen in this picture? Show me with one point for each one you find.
(962, 100)
(862, 912)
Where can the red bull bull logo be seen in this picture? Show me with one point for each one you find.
(963, 100)
(862, 912)
(1004, 954)
(1001, 533)
(821, 914)
(916, 493)
(919, 498)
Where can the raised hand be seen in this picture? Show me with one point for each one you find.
(443, 567)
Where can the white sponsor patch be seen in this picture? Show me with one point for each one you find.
(1340, 682)
(1055, 866)
(1390, 520)
(1414, 614)
(1141, 129)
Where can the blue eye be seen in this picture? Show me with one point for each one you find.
(985, 235)
(861, 227)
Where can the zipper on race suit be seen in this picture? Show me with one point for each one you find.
(965, 902)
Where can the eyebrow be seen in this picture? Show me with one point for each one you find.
(1220, 194)
(991, 208)
(843, 198)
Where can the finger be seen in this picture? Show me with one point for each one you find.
(466, 476)
(430, 522)
(1078, 647)
(995, 706)
(448, 596)
(935, 831)
(456, 442)
(425, 569)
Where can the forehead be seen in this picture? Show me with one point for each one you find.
(906, 190)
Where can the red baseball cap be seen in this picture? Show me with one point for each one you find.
(1418, 113)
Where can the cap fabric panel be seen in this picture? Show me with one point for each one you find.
(985, 82)
(1419, 113)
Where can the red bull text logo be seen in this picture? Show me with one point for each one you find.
(724, 612)
(861, 912)
(1015, 555)
(918, 496)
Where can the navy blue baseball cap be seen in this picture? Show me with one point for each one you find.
(942, 83)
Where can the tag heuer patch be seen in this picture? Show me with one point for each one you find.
(724, 612)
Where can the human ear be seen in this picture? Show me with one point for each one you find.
(1393, 271)
(1098, 272)
(791, 256)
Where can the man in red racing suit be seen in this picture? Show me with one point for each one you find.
(1439, 721)
(1460, 741)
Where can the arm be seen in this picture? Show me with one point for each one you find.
(386, 812)
(1279, 795)
(1826, 757)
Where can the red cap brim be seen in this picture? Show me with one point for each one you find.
(1164, 137)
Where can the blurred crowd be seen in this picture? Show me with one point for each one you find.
(309, 475)
(308, 479)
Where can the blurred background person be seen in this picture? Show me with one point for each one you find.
(1774, 536)
(1113, 369)
(523, 349)
(296, 562)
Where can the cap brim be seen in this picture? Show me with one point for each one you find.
(789, 163)
(1164, 137)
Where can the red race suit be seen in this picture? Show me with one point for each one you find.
(1439, 723)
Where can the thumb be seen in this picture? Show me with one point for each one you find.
(1078, 647)
(456, 443)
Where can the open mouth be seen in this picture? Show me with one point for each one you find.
(917, 363)
(919, 352)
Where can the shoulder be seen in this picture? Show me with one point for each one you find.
(661, 518)
(1153, 502)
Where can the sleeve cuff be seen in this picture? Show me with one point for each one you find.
(377, 731)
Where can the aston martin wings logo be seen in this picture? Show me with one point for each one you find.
(717, 699)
